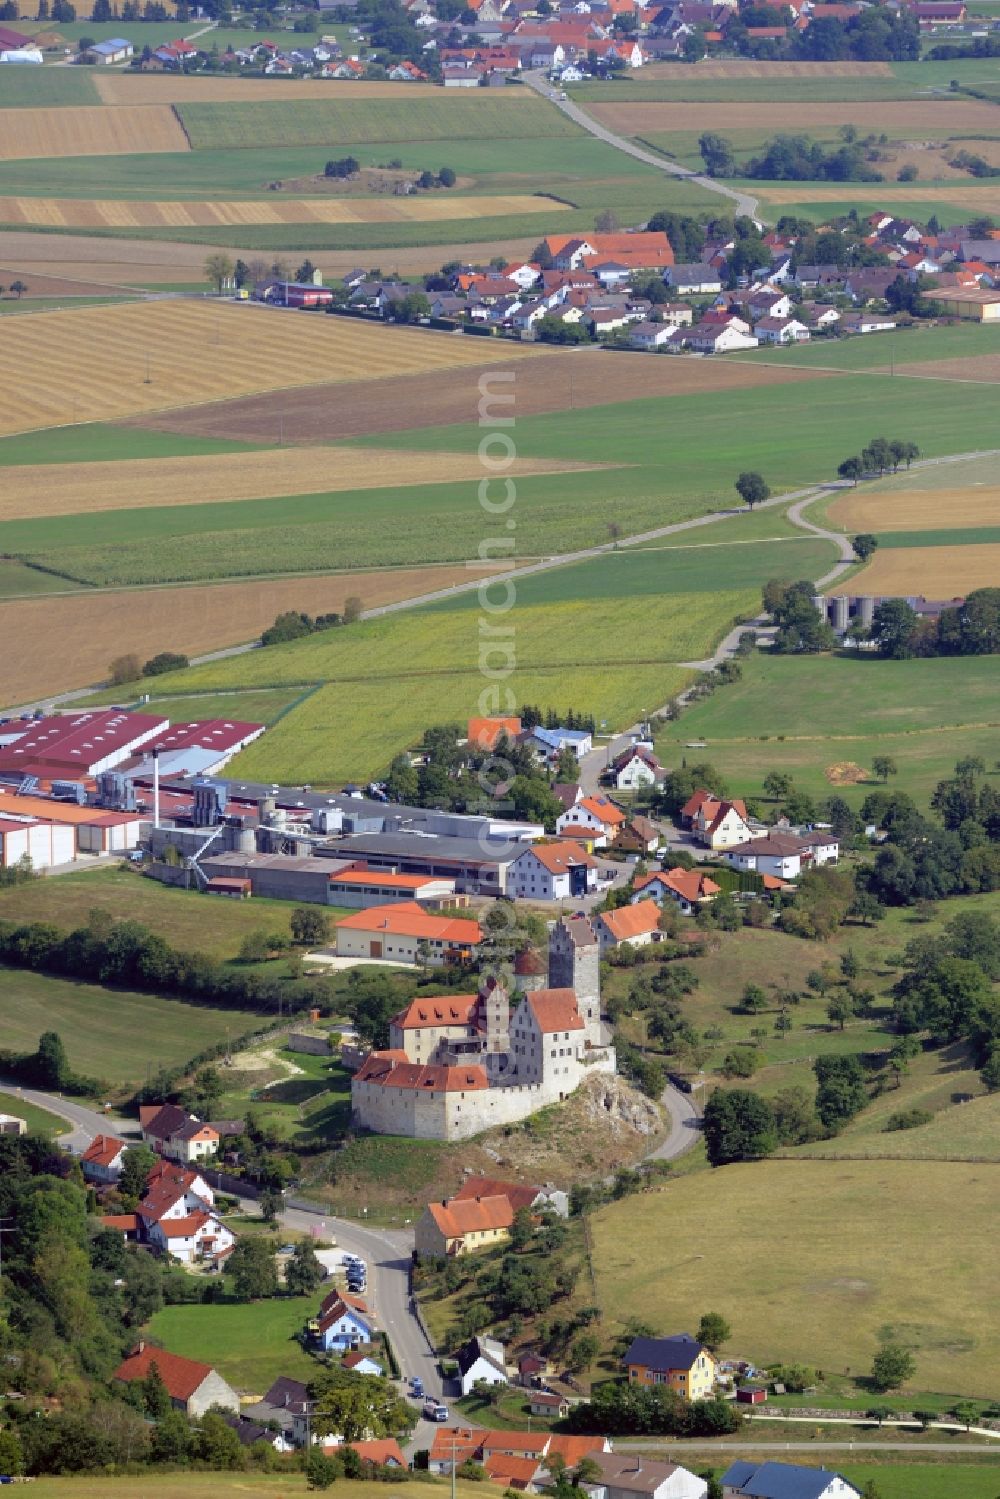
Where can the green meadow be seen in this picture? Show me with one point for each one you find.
(249, 1344)
(917, 344)
(99, 442)
(43, 88)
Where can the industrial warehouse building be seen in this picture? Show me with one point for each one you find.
(273, 876)
(476, 866)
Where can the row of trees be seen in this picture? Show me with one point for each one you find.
(880, 456)
(293, 624)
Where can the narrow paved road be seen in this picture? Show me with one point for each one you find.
(685, 1126)
(743, 203)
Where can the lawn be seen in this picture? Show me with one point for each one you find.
(250, 1343)
(808, 716)
(97, 442)
(185, 919)
(928, 1480)
(39, 1121)
(319, 122)
(815, 1261)
(111, 1033)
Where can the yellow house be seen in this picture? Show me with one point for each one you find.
(680, 1362)
(461, 1226)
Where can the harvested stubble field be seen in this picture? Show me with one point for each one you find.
(981, 200)
(83, 130)
(915, 509)
(939, 572)
(85, 365)
(76, 489)
(878, 1258)
(51, 286)
(317, 122)
(90, 627)
(924, 119)
(550, 382)
(117, 213)
(167, 88)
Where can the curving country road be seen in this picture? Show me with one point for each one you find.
(743, 203)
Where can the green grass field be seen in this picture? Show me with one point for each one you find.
(97, 442)
(814, 1261)
(185, 919)
(319, 122)
(918, 343)
(926, 1480)
(250, 1344)
(43, 88)
(265, 706)
(111, 1033)
(803, 715)
(39, 1121)
(18, 581)
(964, 1132)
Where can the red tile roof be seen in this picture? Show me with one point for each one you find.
(603, 808)
(689, 884)
(102, 1150)
(517, 1193)
(632, 921)
(393, 1070)
(385, 1450)
(557, 858)
(181, 1376)
(405, 918)
(484, 733)
(555, 1010)
(458, 1442)
(457, 1218)
(515, 1471)
(450, 1009)
(574, 1448)
(128, 1223)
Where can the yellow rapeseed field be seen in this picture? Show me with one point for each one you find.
(89, 130)
(82, 488)
(934, 572)
(112, 213)
(98, 363)
(916, 509)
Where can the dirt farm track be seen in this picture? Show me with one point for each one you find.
(91, 626)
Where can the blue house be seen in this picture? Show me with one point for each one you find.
(344, 1322)
(769, 1480)
(548, 742)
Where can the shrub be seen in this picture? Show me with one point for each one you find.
(907, 1119)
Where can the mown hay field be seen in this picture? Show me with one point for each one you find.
(937, 572)
(981, 369)
(775, 72)
(75, 489)
(552, 381)
(923, 118)
(915, 509)
(116, 213)
(170, 88)
(91, 628)
(83, 130)
(117, 361)
(318, 122)
(877, 1259)
(981, 200)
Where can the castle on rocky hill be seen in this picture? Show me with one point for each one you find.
(458, 1064)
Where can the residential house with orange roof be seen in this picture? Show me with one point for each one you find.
(193, 1387)
(508, 1456)
(552, 871)
(405, 933)
(486, 733)
(456, 1227)
(687, 888)
(598, 813)
(637, 924)
(101, 1162)
(716, 822)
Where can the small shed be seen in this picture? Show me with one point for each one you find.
(236, 889)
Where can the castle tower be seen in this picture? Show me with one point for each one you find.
(493, 1019)
(530, 970)
(575, 963)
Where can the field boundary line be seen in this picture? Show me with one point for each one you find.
(180, 120)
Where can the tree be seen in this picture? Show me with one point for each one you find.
(218, 1445)
(713, 1331)
(777, 785)
(884, 766)
(752, 489)
(303, 1273)
(124, 669)
(254, 1269)
(584, 1350)
(895, 626)
(219, 270)
(18, 289)
(522, 1230)
(739, 1126)
(137, 1162)
(310, 925)
(717, 153)
(165, 661)
(841, 1092)
(753, 999)
(892, 1366)
(864, 545)
(839, 1010)
(321, 1469)
(50, 1064)
(966, 1411)
(446, 177)
(155, 1396)
(851, 468)
(11, 1454)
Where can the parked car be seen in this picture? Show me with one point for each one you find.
(417, 1385)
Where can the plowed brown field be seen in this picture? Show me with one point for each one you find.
(550, 382)
(166, 88)
(935, 572)
(916, 509)
(44, 285)
(89, 130)
(925, 119)
(77, 489)
(743, 68)
(65, 642)
(110, 213)
(99, 363)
